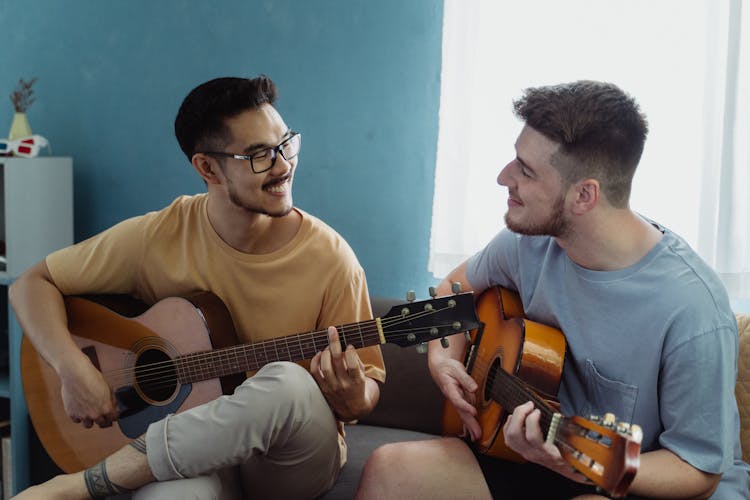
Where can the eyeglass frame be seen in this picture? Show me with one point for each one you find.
(275, 151)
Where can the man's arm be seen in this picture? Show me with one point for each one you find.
(40, 310)
(446, 364)
(662, 474)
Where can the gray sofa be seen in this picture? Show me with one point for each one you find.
(410, 408)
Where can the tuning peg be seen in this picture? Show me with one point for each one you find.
(410, 296)
(433, 292)
(422, 348)
(456, 287)
(467, 336)
(444, 342)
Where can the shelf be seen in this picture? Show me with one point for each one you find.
(36, 218)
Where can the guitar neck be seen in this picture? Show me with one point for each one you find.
(510, 391)
(199, 366)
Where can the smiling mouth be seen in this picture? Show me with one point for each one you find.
(281, 186)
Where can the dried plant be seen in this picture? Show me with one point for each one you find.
(22, 96)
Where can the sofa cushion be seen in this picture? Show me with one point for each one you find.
(362, 441)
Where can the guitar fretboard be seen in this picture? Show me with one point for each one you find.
(510, 391)
(199, 366)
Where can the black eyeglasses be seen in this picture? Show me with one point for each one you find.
(264, 160)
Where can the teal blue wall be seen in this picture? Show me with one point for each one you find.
(359, 78)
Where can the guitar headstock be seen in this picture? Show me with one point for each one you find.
(414, 323)
(605, 451)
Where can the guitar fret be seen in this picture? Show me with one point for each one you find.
(255, 356)
(264, 358)
(342, 338)
(236, 366)
(361, 339)
(289, 352)
(276, 350)
(301, 351)
(310, 345)
(180, 371)
(245, 362)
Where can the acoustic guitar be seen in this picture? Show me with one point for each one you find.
(515, 360)
(183, 352)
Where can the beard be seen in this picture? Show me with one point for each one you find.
(555, 225)
(254, 208)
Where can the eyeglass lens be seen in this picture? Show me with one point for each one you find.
(265, 159)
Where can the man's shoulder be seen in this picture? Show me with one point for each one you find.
(317, 228)
(182, 208)
(324, 240)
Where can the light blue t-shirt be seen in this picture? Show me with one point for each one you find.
(654, 343)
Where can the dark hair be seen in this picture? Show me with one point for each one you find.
(200, 122)
(600, 129)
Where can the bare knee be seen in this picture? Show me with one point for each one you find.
(382, 463)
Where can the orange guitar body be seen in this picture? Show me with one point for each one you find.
(531, 351)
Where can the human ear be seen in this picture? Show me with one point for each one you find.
(587, 194)
(206, 167)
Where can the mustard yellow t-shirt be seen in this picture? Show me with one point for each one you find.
(312, 282)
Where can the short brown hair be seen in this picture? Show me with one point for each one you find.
(600, 129)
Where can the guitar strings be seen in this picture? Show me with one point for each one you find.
(168, 372)
(371, 335)
(519, 392)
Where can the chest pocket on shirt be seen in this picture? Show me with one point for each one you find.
(605, 395)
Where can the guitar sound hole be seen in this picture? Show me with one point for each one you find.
(156, 375)
(492, 375)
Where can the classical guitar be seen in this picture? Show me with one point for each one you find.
(515, 360)
(182, 352)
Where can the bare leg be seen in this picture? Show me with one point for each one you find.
(434, 468)
(125, 470)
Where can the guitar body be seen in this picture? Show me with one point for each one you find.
(183, 352)
(531, 351)
(116, 345)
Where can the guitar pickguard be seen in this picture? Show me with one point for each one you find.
(134, 420)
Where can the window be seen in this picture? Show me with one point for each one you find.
(681, 60)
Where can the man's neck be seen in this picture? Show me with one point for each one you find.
(252, 233)
(611, 241)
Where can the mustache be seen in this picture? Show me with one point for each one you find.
(278, 180)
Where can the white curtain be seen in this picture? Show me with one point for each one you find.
(685, 62)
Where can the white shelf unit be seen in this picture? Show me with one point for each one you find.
(36, 219)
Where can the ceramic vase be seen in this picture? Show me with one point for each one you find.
(19, 127)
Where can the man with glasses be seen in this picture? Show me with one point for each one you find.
(278, 269)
